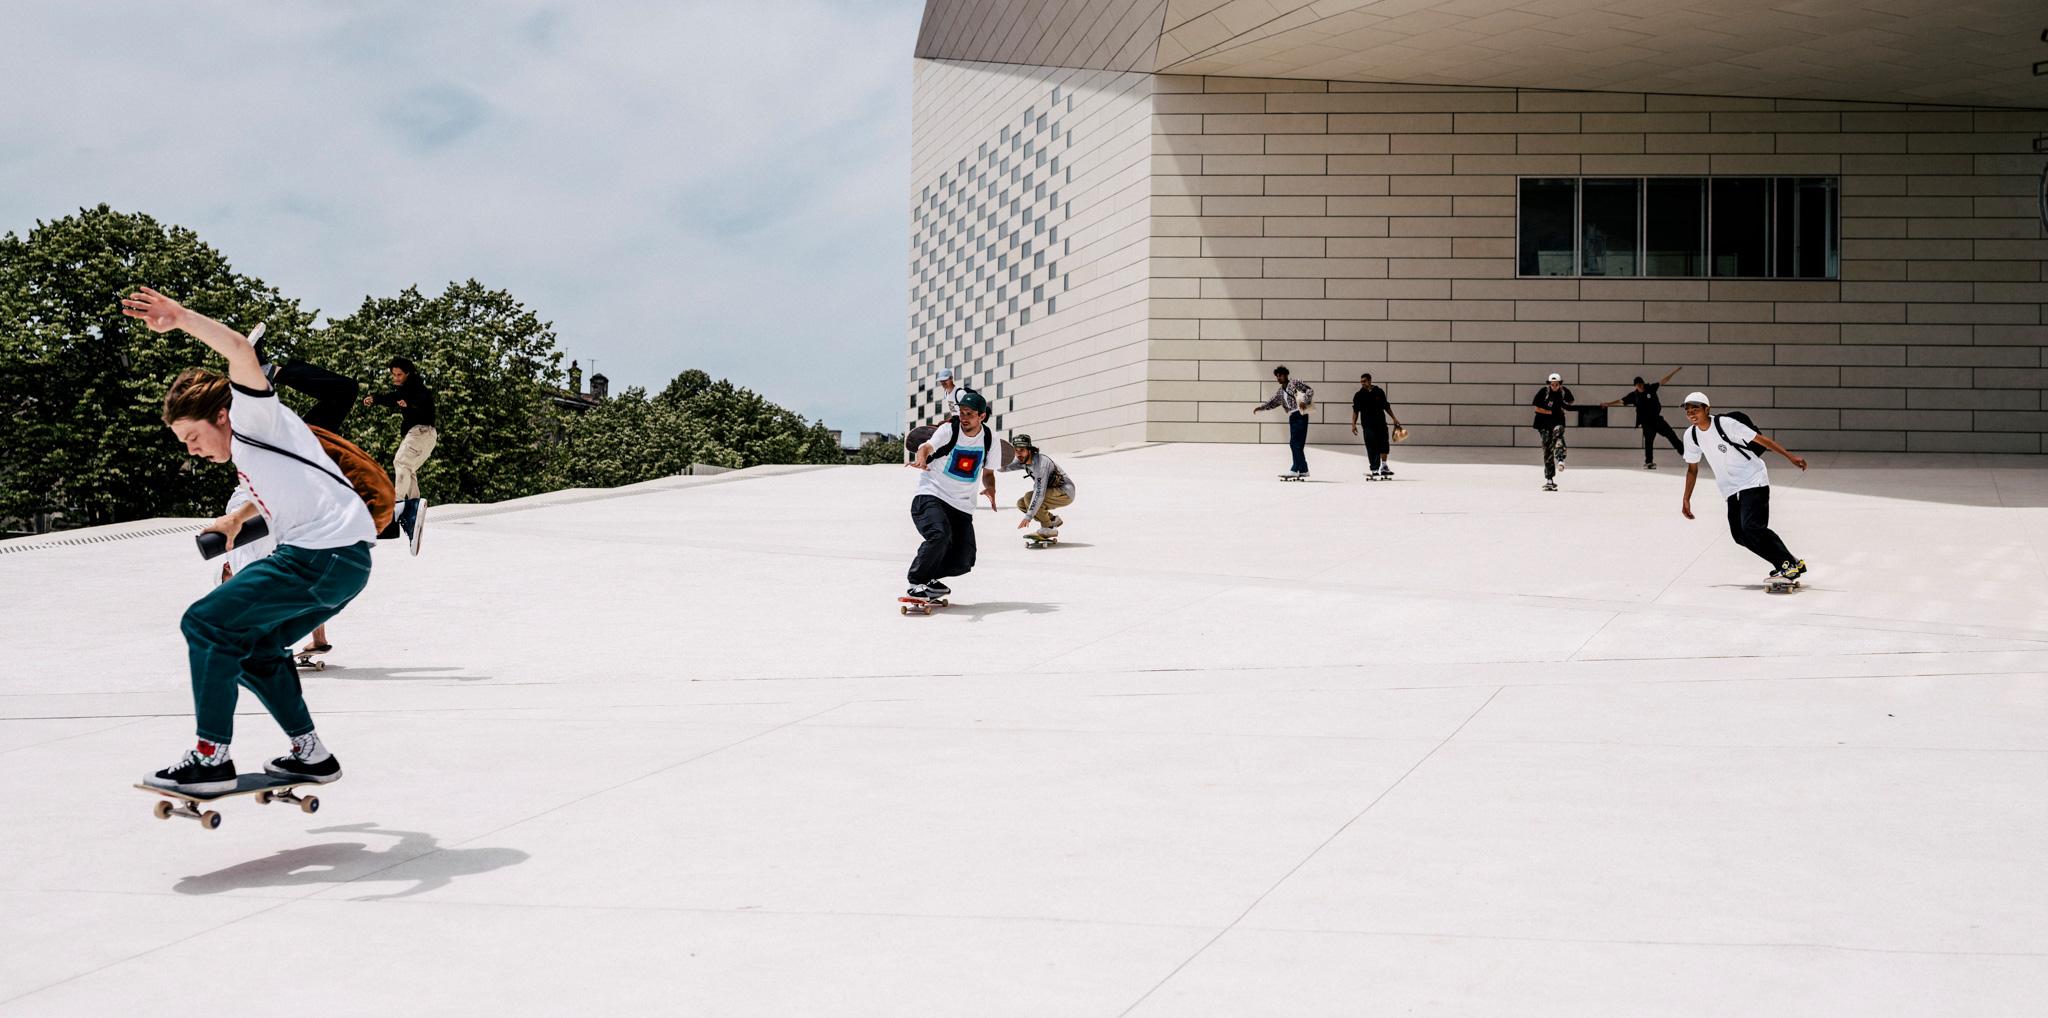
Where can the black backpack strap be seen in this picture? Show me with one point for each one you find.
(1739, 446)
(338, 479)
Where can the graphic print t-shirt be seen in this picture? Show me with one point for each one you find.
(956, 477)
(1733, 470)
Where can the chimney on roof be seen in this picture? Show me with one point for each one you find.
(600, 387)
(575, 379)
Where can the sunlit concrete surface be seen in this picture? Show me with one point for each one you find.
(1450, 745)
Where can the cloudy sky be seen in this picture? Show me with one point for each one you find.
(717, 184)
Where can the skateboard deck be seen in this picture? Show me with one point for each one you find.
(310, 659)
(1035, 541)
(1776, 585)
(265, 787)
(1294, 477)
(919, 605)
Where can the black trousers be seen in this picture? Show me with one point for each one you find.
(948, 548)
(1653, 428)
(1376, 443)
(1749, 522)
(333, 395)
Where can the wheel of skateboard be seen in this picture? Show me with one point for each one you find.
(209, 820)
(263, 798)
(162, 809)
(309, 804)
(903, 609)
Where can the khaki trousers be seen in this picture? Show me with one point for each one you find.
(413, 451)
(1054, 499)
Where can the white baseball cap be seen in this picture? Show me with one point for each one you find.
(945, 374)
(1555, 377)
(1698, 397)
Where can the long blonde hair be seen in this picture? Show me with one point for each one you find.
(196, 395)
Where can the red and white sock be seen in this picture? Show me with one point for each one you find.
(212, 754)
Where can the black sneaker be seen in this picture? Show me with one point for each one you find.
(1793, 570)
(193, 776)
(938, 589)
(920, 591)
(414, 523)
(1649, 466)
(291, 768)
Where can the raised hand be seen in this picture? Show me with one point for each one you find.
(160, 313)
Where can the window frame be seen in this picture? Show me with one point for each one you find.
(1771, 214)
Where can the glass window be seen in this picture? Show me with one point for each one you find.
(1740, 238)
(1610, 227)
(1806, 210)
(1548, 217)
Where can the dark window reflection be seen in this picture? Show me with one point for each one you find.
(1548, 222)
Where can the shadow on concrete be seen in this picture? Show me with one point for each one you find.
(346, 862)
(983, 609)
(359, 674)
(1994, 480)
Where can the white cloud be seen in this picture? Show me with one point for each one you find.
(716, 184)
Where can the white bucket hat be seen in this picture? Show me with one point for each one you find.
(1698, 397)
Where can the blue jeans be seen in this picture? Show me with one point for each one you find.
(1297, 441)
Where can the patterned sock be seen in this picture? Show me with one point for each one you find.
(212, 754)
(308, 747)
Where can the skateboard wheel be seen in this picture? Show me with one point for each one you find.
(209, 819)
(903, 609)
(162, 809)
(263, 798)
(309, 804)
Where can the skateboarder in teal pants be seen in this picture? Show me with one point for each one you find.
(241, 633)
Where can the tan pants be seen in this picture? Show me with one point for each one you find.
(1054, 499)
(413, 451)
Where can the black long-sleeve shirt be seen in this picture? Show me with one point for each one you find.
(418, 410)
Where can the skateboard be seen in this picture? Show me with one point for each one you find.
(1035, 541)
(266, 788)
(1294, 477)
(1780, 585)
(920, 606)
(310, 659)
(1549, 485)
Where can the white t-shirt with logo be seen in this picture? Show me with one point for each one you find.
(1735, 469)
(308, 505)
(956, 477)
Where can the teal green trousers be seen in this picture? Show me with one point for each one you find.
(242, 633)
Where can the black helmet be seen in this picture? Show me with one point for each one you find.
(972, 399)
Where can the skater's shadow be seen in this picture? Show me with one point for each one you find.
(408, 674)
(983, 609)
(420, 860)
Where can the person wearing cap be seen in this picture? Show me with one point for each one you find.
(951, 464)
(1296, 397)
(1551, 402)
(1650, 417)
(1369, 404)
(949, 395)
(1051, 488)
(1739, 472)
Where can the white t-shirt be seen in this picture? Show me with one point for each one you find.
(949, 403)
(307, 506)
(956, 478)
(245, 552)
(1734, 469)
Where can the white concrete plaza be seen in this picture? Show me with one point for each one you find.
(1445, 746)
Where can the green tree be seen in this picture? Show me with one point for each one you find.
(82, 387)
(880, 449)
(742, 429)
(626, 439)
(492, 365)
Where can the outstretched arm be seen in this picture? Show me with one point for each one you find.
(1668, 376)
(1772, 445)
(162, 314)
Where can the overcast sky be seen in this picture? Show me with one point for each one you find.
(717, 184)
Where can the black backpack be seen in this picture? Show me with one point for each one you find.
(1750, 449)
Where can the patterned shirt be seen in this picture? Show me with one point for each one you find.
(1292, 396)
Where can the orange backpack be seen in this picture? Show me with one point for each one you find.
(366, 475)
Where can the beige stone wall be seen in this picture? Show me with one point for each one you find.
(1339, 227)
(1044, 309)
